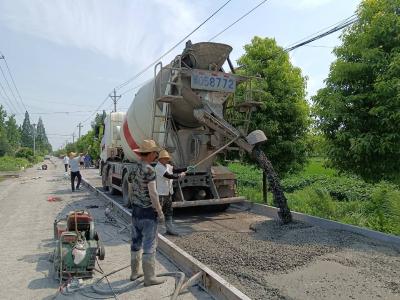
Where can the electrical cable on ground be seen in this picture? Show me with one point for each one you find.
(108, 281)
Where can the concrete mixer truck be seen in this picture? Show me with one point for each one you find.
(182, 108)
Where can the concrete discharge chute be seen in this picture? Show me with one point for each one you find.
(182, 109)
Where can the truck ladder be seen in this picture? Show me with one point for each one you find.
(165, 98)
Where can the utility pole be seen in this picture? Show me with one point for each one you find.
(34, 138)
(115, 98)
(73, 137)
(79, 126)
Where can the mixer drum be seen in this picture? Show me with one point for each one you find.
(204, 56)
(137, 125)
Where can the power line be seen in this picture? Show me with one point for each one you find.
(6, 102)
(157, 60)
(13, 81)
(115, 98)
(11, 90)
(60, 112)
(342, 25)
(322, 30)
(134, 88)
(58, 134)
(238, 20)
(182, 40)
(171, 49)
(11, 104)
(97, 109)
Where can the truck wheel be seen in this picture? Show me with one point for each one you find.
(104, 177)
(125, 191)
(112, 190)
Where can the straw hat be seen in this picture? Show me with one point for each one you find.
(72, 154)
(147, 147)
(164, 154)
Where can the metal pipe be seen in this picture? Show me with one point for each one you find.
(216, 152)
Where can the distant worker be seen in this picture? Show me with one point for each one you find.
(74, 165)
(87, 160)
(166, 174)
(146, 209)
(66, 162)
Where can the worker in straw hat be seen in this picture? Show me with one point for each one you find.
(75, 173)
(166, 174)
(146, 210)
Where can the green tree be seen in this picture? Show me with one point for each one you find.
(27, 132)
(13, 133)
(4, 144)
(42, 142)
(358, 110)
(284, 115)
(89, 142)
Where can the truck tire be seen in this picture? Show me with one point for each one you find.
(112, 190)
(104, 177)
(125, 192)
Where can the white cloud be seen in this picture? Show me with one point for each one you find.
(134, 31)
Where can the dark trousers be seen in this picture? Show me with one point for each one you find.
(66, 167)
(144, 229)
(166, 204)
(73, 175)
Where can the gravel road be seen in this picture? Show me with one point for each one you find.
(295, 261)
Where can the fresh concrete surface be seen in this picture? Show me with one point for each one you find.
(298, 261)
(26, 222)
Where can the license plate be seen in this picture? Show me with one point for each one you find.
(213, 81)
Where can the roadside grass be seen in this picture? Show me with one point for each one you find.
(323, 192)
(9, 163)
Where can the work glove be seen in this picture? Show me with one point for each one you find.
(191, 168)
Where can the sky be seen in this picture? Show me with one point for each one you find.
(66, 56)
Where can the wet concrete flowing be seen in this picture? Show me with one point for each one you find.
(279, 197)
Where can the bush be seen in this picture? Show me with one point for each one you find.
(294, 183)
(384, 209)
(316, 202)
(8, 163)
(25, 152)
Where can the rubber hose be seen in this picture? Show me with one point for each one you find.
(119, 290)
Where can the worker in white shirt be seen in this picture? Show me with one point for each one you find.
(74, 165)
(166, 174)
(66, 162)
